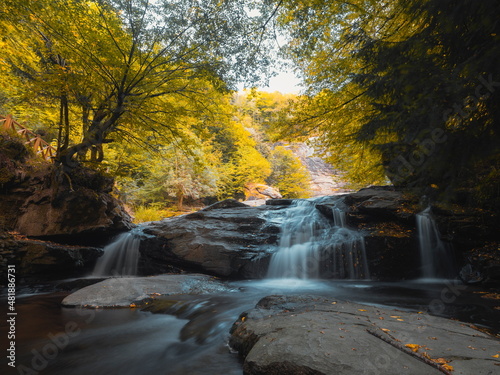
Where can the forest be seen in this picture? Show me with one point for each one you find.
(395, 92)
(160, 210)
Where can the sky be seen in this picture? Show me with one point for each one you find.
(285, 82)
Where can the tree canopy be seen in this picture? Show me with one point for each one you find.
(120, 64)
(407, 87)
(403, 92)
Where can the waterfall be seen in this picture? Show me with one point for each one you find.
(311, 247)
(435, 255)
(120, 257)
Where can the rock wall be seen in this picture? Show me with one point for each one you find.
(230, 239)
(37, 261)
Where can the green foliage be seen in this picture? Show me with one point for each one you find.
(288, 174)
(144, 214)
(102, 66)
(405, 88)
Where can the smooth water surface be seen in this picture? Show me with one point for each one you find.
(191, 336)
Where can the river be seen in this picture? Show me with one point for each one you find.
(191, 336)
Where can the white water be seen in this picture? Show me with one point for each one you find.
(436, 260)
(120, 257)
(311, 247)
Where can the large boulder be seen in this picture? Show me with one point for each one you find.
(227, 239)
(39, 199)
(71, 215)
(127, 291)
(316, 336)
(386, 217)
(254, 191)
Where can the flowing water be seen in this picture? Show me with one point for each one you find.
(120, 257)
(191, 337)
(436, 256)
(312, 246)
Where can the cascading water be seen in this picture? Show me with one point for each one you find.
(120, 257)
(310, 247)
(435, 255)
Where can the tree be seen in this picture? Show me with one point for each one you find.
(288, 174)
(179, 175)
(411, 84)
(127, 62)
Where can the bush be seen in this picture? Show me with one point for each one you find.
(144, 214)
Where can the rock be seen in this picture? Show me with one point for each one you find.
(279, 202)
(74, 215)
(228, 240)
(124, 291)
(45, 201)
(314, 335)
(387, 219)
(227, 203)
(41, 260)
(255, 191)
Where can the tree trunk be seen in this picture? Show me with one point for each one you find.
(180, 200)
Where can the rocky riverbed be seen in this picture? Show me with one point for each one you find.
(300, 327)
(314, 335)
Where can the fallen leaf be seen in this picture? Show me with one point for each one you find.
(448, 367)
(496, 356)
(441, 360)
(385, 329)
(361, 310)
(413, 347)
(400, 320)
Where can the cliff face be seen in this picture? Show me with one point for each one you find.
(325, 180)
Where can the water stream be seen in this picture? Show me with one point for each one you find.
(436, 256)
(191, 337)
(312, 246)
(120, 257)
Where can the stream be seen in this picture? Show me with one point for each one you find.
(190, 336)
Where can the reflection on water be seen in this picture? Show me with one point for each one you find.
(188, 333)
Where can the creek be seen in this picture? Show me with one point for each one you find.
(191, 336)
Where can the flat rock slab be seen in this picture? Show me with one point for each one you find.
(313, 335)
(124, 291)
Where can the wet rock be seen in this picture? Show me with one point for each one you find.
(222, 240)
(279, 202)
(314, 335)
(124, 291)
